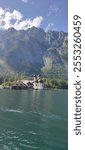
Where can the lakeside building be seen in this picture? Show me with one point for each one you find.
(22, 84)
(37, 84)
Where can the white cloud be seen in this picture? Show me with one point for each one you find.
(50, 26)
(28, 23)
(1, 11)
(53, 10)
(37, 21)
(25, 1)
(16, 15)
(15, 19)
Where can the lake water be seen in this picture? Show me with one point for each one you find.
(33, 120)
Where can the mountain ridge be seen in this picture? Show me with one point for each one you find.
(34, 51)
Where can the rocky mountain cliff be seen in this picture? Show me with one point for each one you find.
(34, 51)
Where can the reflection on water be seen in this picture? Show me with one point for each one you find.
(33, 120)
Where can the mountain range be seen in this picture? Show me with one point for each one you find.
(34, 51)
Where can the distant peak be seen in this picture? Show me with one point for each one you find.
(12, 29)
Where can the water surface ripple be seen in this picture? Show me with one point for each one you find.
(33, 120)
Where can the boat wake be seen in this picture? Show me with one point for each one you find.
(51, 116)
(11, 110)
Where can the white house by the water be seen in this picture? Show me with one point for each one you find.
(38, 83)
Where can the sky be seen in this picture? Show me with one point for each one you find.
(24, 14)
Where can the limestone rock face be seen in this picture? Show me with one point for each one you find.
(34, 51)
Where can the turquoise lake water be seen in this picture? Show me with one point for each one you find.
(33, 120)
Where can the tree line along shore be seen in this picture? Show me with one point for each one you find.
(49, 83)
